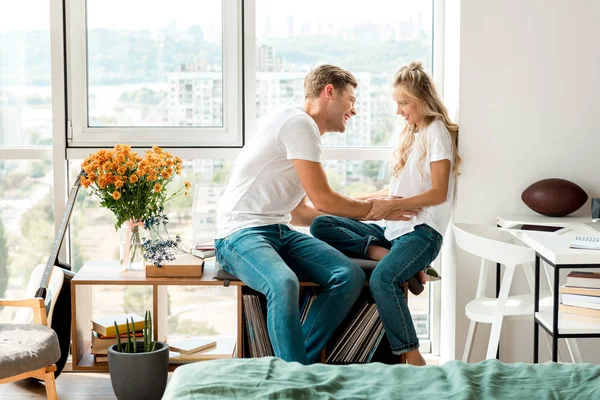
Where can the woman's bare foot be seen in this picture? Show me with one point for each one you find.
(414, 357)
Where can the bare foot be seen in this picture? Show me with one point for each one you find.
(414, 357)
(421, 277)
(377, 252)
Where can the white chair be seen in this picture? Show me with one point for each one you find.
(491, 243)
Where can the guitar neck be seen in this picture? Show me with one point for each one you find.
(61, 231)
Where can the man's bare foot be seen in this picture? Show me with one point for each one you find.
(414, 357)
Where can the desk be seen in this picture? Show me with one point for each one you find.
(555, 251)
(109, 273)
(95, 273)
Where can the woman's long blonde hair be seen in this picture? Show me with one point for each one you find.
(416, 83)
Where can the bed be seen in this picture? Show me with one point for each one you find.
(271, 377)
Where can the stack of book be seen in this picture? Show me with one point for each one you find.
(580, 297)
(360, 339)
(204, 250)
(104, 333)
(200, 349)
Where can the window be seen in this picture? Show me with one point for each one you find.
(138, 75)
(170, 74)
(370, 43)
(26, 173)
(372, 40)
(25, 91)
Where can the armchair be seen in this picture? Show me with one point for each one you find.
(29, 350)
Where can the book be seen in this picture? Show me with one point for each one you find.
(586, 242)
(225, 348)
(192, 345)
(582, 304)
(206, 246)
(106, 326)
(100, 359)
(100, 344)
(588, 312)
(580, 298)
(139, 333)
(203, 253)
(580, 290)
(584, 279)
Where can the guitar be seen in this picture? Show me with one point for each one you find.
(55, 284)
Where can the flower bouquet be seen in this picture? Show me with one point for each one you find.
(134, 189)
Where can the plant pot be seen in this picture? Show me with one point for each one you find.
(139, 375)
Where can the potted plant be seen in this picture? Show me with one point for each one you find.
(135, 190)
(138, 368)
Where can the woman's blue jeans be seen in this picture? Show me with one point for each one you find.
(271, 260)
(409, 254)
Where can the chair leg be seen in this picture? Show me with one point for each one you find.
(469, 343)
(499, 316)
(50, 383)
(574, 351)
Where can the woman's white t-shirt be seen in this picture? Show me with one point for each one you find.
(411, 181)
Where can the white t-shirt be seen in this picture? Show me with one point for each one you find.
(264, 188)
(436, 139)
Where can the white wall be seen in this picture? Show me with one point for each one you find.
(529, 98)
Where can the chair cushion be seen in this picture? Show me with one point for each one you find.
(26, 347)
(221, 274)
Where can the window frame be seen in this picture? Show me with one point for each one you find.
(79, 134)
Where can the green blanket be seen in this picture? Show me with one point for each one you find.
(275, 379)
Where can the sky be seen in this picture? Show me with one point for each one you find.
(142, 14)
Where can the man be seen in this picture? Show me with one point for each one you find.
(275, 171)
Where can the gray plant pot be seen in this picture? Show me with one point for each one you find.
(139, 375)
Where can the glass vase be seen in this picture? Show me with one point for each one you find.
(131, 249)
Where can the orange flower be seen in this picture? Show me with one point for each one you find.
(166, 173)
(122, 169)
(116, 195)
(157, 188)
(187, 185)
(119, 183)
(133, 178)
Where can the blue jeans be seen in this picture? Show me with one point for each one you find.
(408, 255)
(271, 259)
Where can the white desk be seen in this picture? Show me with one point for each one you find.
(555, 251)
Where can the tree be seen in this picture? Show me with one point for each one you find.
(3, 260)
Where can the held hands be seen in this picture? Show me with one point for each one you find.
(390, 209)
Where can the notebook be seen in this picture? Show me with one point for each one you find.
(586, 242)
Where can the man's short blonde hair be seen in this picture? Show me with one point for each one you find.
(324, 75)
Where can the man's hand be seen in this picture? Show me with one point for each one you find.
(389, 209)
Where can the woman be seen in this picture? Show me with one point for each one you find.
(422, 178)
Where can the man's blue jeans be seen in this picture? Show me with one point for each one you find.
(409, 254)
(271, 260)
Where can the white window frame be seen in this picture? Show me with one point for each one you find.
(79, 134)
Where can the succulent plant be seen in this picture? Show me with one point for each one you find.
(131, 345)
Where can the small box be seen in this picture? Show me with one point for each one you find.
(184, 266)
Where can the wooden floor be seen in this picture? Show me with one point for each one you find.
(69, 386)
